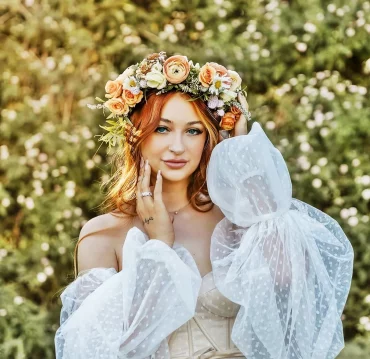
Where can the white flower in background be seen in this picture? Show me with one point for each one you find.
(353, 221)
(5, 202)
(305, 147)
(45, 246)
(3, 312)
(367, 66)
(301, 46)
(344, 213)
(309, 27)
(49, 270)
(356, 162)
(343, 168)
(323, 161)
(315, 170)
(367, 299)
(29, 203)
(41, 277)
(18, 300)
(316, 183)
(366, 194)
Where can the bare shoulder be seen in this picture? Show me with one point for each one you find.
(218, 214)
(98, 240)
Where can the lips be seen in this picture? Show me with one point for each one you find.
(175, 164)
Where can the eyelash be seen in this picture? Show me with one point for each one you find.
(198, 131)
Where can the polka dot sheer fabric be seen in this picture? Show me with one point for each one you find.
(129, 314)
(287, 264)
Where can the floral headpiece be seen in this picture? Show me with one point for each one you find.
(212, 83)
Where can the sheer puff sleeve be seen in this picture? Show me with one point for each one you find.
(129, 314)
(286, 263)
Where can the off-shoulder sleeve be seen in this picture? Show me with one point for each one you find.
(129, 314)
(287, 264)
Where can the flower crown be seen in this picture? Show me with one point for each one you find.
(212, 83)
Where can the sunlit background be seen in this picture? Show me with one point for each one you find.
(307, 67)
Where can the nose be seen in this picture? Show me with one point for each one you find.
(176, 144)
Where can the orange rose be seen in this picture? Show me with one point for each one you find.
(176, 69)
(113, 89)
(236, 112)
(228, 121)
(130, 98)
(221, 70)
(117, 106)
(153, 56)
(206, 75)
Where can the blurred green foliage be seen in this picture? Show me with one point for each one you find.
(306, 64)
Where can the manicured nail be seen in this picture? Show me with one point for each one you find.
(159, 174)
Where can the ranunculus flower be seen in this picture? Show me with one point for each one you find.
(156, 80)
(236, 80)
(207, 74)
(228, 121)
(113, 89)
(228, 95)
(176, 69)
(221, 70)
(117, 106)
(125, 74)
(236, 111)
(130, 98)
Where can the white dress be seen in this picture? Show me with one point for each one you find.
(281, 275)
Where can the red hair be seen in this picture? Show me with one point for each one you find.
(126, 161)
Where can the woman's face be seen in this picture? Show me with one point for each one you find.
(180, 135)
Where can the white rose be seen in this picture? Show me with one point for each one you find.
(155, 79)
(125, 74)
(157, 67)
(236, 80)
(228, 95)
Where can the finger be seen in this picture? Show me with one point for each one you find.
(241, 126)
(158, 188)
(146, 182)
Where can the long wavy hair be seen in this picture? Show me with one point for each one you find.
(121, 194)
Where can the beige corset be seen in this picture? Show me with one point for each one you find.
(208, 333)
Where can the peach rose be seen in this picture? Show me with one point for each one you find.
(207, 74)
(113, 89)
(228, 121)
(236, 112)
(176, 69)
(130, 98)
(221, 70)
(117, 106)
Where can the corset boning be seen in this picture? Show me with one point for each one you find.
(207, 334)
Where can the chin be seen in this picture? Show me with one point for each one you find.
(175, 175)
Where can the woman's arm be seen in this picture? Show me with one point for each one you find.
(129, 313)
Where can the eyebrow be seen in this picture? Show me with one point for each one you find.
(189, 123)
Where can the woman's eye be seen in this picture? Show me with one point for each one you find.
(197, 132)
(159, 128)
(162, 129)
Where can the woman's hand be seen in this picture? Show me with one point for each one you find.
(152, 211)
(241, 126)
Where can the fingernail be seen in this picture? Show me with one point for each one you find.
(159, 173)
(141, 162)
(146, 162)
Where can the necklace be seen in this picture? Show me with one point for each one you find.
(176, 212)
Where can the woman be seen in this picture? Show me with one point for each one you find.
(145, 284)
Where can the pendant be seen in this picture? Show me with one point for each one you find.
(176, 212)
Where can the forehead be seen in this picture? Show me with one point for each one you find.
(179, 110)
